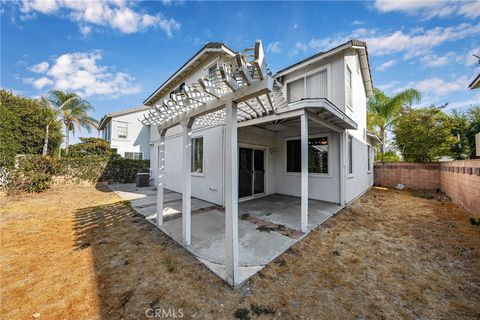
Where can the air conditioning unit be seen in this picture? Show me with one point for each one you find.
(143, 180)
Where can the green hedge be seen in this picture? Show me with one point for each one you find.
(34, 173)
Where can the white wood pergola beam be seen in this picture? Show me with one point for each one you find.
(243, 69)
(261, 104)
(313, 117)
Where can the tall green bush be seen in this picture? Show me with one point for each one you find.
(33, 173)
(23, 123)
(90, 147)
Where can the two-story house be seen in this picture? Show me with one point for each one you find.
(224, 129)
(126, 135)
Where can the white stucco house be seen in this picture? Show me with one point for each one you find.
(126, 135)
(225, 129)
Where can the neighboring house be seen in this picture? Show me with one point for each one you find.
(126, 135)
(223, 129)
(475, 83)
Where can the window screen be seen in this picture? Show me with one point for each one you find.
(348, 87)
(295, 90)
(350, 155)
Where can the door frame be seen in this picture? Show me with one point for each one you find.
(265, 161)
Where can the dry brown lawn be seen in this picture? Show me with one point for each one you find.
(80, 253)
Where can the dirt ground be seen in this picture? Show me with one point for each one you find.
(80, 253)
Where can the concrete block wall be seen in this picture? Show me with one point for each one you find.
(418, 176)
(459, 180)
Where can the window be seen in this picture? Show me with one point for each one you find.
(369, 151)
(348, 88)
(134, 155)
(295, 90)
(197, 155)
(311, 86)
(317, 155)
(121, 130)
(350, 155)
(211, 71)
(316, 85)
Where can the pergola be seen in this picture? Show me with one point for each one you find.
(240, 91)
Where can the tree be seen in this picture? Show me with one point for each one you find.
(22, 128)
(424, 134)
(51, 116)
(383, 110)
(461, 148)
(73, 112)
(473, 116)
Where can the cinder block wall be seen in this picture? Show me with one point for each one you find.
(417, 176)
(459, 180)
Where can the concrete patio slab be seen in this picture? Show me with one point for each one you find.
(257, 246)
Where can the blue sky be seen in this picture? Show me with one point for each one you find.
(115, 53)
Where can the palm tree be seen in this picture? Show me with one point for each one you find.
(384, 110)
(51, 114)
(73, 112)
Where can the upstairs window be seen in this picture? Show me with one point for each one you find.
(348, 88)
(197, 155)
(121, 130)
(311, 86)
(211, 71)
(178, 90)
(317, 155)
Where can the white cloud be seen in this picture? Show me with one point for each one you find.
(39, 68)
(79, 72)
(430, 9)
(117, 14)
(387, 64)
(387, 86)
(274, 47)
(439, 87)
(416, 42)
(357, 22)
(299, 47)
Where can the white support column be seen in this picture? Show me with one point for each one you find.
(187, 182)
(161, 175)
(304, 157)
(343, 167)
(231, 194)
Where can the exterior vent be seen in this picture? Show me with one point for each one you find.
(143, 179)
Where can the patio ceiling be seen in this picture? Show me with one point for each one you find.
(244, 79)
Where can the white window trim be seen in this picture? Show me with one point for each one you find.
(305, 75)
(310, 174)
(351, 175)
(347, 68)
(194, 173)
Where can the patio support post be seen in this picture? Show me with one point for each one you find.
(187, 181)
(304, 162)
(343, 167)
(161, 175)
(231, 195)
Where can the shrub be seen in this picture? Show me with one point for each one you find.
(32, 173)
(388, 156)
(90, 147)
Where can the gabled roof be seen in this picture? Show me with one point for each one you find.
(356, 44)
(475, 83)
(197, 58)
(106, 118)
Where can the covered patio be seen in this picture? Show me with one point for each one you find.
(241, 93)
(267, 226)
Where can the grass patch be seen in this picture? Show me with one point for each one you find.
(259, 310)
(170, 264)
(242, 314)
(474, 221)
